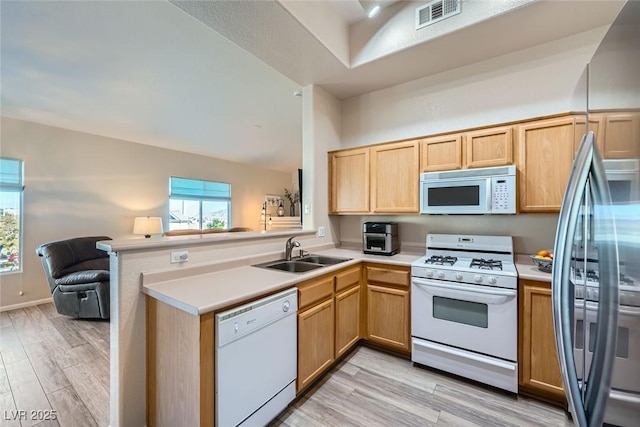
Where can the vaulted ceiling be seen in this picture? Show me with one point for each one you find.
(217, 77)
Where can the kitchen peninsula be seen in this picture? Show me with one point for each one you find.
(129, 259)
(143, 266)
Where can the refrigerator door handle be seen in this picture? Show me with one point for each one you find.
(562, 298)
(600, 372)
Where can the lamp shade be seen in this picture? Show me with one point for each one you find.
(147, 225)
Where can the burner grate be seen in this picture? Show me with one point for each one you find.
(441, 260)
(486, 264)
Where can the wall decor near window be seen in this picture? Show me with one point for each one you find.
(273, 201)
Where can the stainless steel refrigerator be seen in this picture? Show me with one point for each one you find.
(596, 267)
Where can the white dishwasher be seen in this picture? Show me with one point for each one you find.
(256, 360)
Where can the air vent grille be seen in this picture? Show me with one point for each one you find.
(436, 11)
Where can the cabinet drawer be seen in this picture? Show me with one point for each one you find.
(392, 277)
(347, 278)
(315, 291)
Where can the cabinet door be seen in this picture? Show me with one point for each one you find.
(441, 153)
(539, 368)
(395, 178)
(545, 156)
(315, 342)
(622, 136)
(347, 319)
(349, 181)
(388, 316)
(596, 125)
(489, 147)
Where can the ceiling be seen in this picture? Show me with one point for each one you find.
(217, 77)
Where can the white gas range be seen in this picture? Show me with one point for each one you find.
(464, 308)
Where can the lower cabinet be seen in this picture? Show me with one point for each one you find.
(388, 306)
(347, 319)
(315, 341)
(328, 321)
(539, 367)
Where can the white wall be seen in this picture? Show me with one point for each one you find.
(528, 83)
(321, 133)
(80, 184)
(530, 232)
(535, 82)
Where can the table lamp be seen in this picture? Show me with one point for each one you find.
(147, 225)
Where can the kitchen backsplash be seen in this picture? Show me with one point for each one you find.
(530, 232)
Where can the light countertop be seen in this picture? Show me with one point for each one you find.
(202, 293)
(528, 270)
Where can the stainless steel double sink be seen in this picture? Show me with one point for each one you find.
(304, 264)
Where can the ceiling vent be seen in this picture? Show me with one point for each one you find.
(436, 11)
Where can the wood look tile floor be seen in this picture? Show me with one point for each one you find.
(52, 363)
(372, 388)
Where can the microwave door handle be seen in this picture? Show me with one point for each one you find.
(489, 196)
(562, 299)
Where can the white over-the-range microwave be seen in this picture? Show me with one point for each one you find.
(469, 191)
(493, 190)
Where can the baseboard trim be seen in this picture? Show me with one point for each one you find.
(25, 304)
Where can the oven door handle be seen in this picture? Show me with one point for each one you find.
(479, 294)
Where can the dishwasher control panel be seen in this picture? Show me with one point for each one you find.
(240, 321)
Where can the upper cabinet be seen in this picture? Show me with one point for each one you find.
(441, 153)
(384, 179)
(617, 134)
(474, 149)
(379, 179)
(349, 181)
(394, 178)
(545, 156)
(596, 125)
(489, 147)
(621, 136)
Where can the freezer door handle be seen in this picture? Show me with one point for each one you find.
(601, 369)
(587, 173)
(562, 299)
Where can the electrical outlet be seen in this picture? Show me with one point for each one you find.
(320, 231)
(179, 256)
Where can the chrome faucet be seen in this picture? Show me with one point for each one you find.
(288, 247)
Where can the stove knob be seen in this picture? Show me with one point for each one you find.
(440, 274)
(478, 278)
(493, 280)
(429, 273)
(458, 276)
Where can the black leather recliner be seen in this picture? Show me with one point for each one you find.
(78, 275)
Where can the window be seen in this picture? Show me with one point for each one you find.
(11, 188)
(199, 204)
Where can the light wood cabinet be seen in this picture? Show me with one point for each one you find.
(348, 302)
(388, 306)
(545, 156)
(621, 136)
(539, 369)
(315, 342)
(329, 321)
(349, 181)
(395, 178)
(180, 366)
(596, 125)
(380, 179)
(617, 134)
(441, 153)
(347, 319)
(489, 147)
